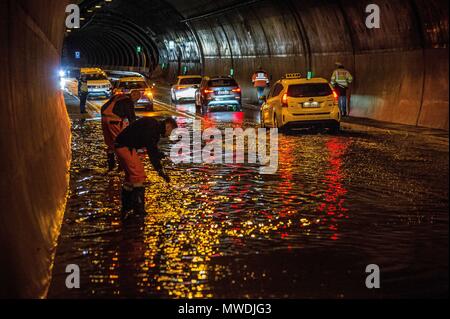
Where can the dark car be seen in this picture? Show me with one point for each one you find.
(128, 84)
(218, 93)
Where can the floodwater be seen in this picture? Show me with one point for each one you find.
(337, 204)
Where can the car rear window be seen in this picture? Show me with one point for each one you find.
(222, 82)
(133, 85)
(190, 81)
(309, 90)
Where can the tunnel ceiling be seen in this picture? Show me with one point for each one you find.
(112, 30)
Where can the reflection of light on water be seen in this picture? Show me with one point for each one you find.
(179, 241)
(208, 211)
(333, 205)
(234, 119)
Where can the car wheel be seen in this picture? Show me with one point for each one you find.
(149, 108)
(275, 121)
(335, 128)
(276, 124)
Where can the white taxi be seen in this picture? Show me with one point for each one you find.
(295, 102)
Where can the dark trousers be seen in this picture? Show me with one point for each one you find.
(83, 100)
(342, 92)
(260, 92)
(343, 105)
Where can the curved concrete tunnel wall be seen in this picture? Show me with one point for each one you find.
(34, 143)
(401, 69)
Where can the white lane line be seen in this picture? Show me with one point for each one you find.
(93, 107)
(172, 109)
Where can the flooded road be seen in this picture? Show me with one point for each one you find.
(337, 204)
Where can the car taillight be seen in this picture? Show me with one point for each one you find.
(149, 93)
(179, 87)
(284, 100)
(335, 96)
(238, 90)
(207, 91)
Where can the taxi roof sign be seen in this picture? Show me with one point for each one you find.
(132, 79)
(293, 76)
(91, 70)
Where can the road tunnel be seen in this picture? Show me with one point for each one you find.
(400, 71)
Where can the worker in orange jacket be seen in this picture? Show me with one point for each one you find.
(260, 80)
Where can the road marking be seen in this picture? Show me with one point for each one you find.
(170, 107)
(95, 108)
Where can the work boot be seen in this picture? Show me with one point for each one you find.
(139, 201)
(127, 202)
(111, 161)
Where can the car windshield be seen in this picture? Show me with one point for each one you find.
(190, 81)
(309, 90)
(222, 82)
(95, 77)
(132, 85)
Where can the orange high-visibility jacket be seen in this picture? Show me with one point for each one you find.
(260, 79)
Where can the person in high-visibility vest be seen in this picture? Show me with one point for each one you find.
(260, 80)
(341, 79)
(83, 92)
(117, 114)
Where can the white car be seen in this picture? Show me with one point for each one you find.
(97, 81)
(185, 88)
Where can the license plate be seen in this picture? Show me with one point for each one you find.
(223, 92)
(310, 105)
